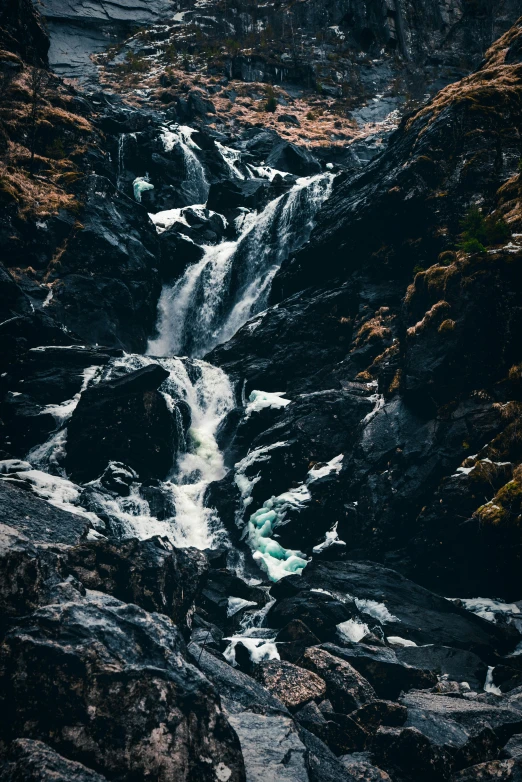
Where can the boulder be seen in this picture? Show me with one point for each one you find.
(338, 731)
(296, 160)
(124, 420)
(458, 665)
(151, 573)
(293, 685)
(107, 282)
(33, 761)
(410, 755)
(177, 253)
(361, 769)
(107, 684)
(293, 639)
(37, 519)
(345, 687)
(420, 615)
(382, 668)
(320, 612)
(270, 742)
(471, 731)
(493, 771)
(27, 573)
(513, 748)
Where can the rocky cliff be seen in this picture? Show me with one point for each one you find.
(261, 468)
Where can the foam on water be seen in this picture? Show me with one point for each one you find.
(231, 283)
(195, 175)
(207, 391)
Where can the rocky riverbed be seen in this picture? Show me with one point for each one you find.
(261, 468)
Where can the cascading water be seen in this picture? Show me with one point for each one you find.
(205, 307)
(231, 283)
(208, 393)
(196, 182)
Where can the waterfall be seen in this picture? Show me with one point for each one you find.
(231, 283)
(208, 392)
(121, 158)
(195, 176)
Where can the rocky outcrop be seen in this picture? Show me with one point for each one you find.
(33, 760)
(126, 418)
(387, 305)
(112, 656)
(22, 32)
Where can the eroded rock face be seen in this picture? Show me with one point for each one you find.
(33, 760)
(150, 573)
(123, 419)
(78, 670)
(294, 685)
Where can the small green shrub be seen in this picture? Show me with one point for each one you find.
(472, 246)
(479, 232)
(418, 269)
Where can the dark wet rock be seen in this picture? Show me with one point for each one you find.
(360, 768)
(338, 731)
(123, 420)
(177, 253)
(322, 764)
(513, 749)
(423, 616)
(501, 770)
(293, 639)
(150, 573)
(118, 478)
(221, 589)
(458, 665)
(52, 374)
(76, 672)
(107, 282)
(409, 754)
(296, 160)
(372, 715)
(470, 730)
(34, 761)
(37, 519)
(295, 686)
(383, 669)
(319, 612)
(269, 739)
(225, 196)
(27, 573)
(345, 687)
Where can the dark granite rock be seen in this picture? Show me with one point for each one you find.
(124, 420)
(34, 761)
(76, 672)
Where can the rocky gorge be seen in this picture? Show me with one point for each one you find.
(260, 391)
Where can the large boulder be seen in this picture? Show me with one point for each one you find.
(107, 282)
(123, 420)
(295, 686)
(107, 684)
(382, 668)
(345, 687)
(37, 519)
(34, 761)
(150, 573)
(406, 609)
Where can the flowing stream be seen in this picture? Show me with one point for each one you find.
(205, 307)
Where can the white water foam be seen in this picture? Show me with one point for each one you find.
(231, 283)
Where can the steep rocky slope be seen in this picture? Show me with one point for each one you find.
(295, 569)
(380, 295)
